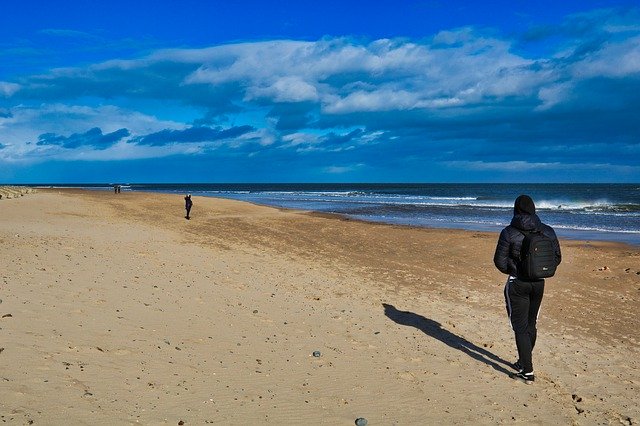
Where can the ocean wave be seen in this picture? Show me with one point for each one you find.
(364, 194)
(221, 192)
(357, 197)
(596, 229)
(405, 203)
(469, 203)
(630, 208)
(89, 187)
(590, 205)
(453, 198)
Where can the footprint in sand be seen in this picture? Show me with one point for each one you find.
(405, 375)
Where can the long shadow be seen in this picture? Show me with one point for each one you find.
(434, 329)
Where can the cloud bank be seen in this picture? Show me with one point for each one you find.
(93, 138)
(459, 98)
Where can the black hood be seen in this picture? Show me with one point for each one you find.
(526, 222)
(524, 205)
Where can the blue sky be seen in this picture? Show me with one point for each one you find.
(308, 91)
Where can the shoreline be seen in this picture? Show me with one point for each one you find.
(342, 216)
(117, 309)
(569, 231)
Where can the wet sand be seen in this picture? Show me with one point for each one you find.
(117, 310)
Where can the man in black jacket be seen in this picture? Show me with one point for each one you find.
(187, 205)
(523, 297)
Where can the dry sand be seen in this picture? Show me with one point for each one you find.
(117, 310)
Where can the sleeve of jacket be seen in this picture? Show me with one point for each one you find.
(556, 246)
(501, 258)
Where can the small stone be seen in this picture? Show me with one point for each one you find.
(255, 311)
(361, 421)
(316, 354)
(180, 422)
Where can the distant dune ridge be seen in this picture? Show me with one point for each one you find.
(15, 191)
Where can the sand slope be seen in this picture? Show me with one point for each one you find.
(116, 310)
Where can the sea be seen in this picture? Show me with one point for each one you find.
(604, 212)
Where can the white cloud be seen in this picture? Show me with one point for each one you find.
(21, 130)
(264, 137)
(380, 100)
(525, 167)
(285, 89)
(554, 94)
(7, 89)
(119, 151)
(505, 166)
(300, 138)
(338, 170)
(613, 60)
(396, 74)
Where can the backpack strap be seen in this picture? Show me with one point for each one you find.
(525, 234)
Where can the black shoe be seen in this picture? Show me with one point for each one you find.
(527, 378)
(517, 366)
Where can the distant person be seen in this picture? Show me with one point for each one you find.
(115, 189)
(187, 205)
(528, 251)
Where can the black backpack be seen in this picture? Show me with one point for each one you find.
(537, 257)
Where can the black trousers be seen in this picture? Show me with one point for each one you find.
(523, 300)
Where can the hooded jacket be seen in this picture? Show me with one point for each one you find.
(510, 241)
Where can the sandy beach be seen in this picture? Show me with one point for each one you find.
(116, 310)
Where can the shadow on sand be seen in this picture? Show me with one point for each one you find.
(434, 329)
